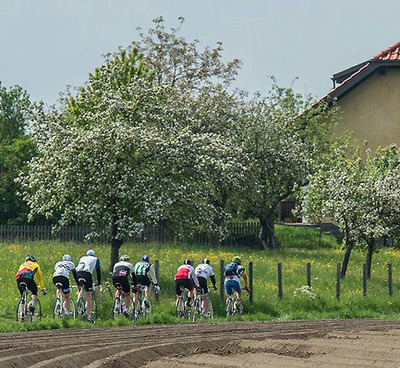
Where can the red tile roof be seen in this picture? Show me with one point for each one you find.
(392, 53)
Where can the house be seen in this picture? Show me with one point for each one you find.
(368, 96)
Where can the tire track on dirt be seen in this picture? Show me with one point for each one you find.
(102, 347)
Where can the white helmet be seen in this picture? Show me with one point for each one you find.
(66, 257)
(90, 252)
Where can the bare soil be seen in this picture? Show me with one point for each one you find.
(309, 344)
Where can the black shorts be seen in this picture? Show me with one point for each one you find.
(88, 284)
(30, 284)
(185, 283)
(122, 283)
(142, 280)
(203, 285)
(64, 281)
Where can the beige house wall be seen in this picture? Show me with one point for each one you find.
(372, 109)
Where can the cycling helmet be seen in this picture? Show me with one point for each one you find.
(90, 252)
(237, 260)
(187, 262)
(145, 258)
(206, 261)
(30, 257)
(66, 257)
(124, 258)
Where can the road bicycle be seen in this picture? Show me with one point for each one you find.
(183, 308)
(198, 307)
(59, 310)
(117, 309)
(141, 309)
(81, 302)
(28, 311)
(234, 306)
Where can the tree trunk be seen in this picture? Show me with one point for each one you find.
(266, 236)
(346, 259)
(215, 239)
(370, 252)
(115, 245)
(349, 248)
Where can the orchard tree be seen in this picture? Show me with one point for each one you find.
(128, 158)
(361, 192)
(179, 62)
(282, 139)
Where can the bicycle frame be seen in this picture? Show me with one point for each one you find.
(138, 308)
(81, 306)
(182, 310)
(23, 313)
(233, 304)
(59, 310)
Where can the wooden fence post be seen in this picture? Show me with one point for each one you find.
(309, 274)
(251, 281)
(280, 290)
(338, 267)
(157, 271)
(221, 278)
(364, 279)
(390, 278)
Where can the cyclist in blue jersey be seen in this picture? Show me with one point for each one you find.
(234, 271)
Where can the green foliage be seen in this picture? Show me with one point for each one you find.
(13, 160)
(14, 110)
(16, 148)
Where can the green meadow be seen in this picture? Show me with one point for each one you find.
(299, 246)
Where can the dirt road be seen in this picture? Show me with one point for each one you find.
(327, 344)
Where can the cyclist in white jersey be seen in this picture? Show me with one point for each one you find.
(84, 270)
(203, 272)
(61, 276)
(142, 270)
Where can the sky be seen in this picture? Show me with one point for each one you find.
(46, 45)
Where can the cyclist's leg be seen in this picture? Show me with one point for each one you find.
(190, 288)
(89, 303)
(178, 290)
(126, 288)
(238, 291)
(89, 293)
(32, 287)
(204, 292)
(228, 289)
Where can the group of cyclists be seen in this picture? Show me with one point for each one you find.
(128, 277)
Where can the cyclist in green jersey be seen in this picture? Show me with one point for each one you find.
(142, 271)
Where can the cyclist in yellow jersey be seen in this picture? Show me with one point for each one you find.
(26, 274)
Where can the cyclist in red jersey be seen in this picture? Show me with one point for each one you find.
(184, 277)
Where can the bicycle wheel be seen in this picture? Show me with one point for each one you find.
(180, 308)
(238, 307)
(210, 309)
(117, 308)
(71, 309)
(229, 306)
(58, 309)
(196, 309)
(94, 313)
(20, 313)
(80, 308)
(135, 312)
(146, 309)
(35, 315)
